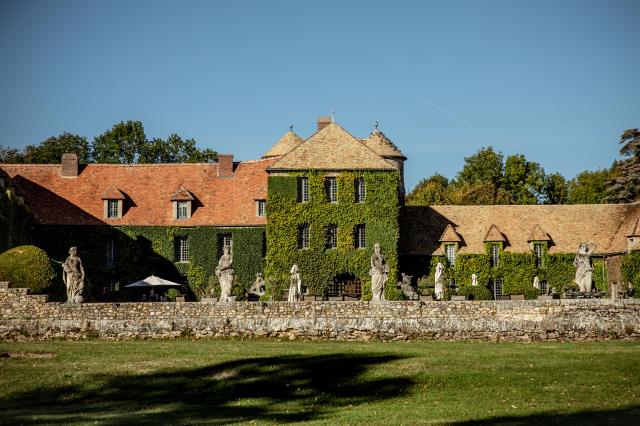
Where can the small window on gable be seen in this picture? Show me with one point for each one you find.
(303, 189)
(182, 204)
(495, 255)
(331, 188)
(360, 236)
(113, 200)
(450, 253)
(538, 251)
(182, 210)
(303, 236)
(361, 193)
(261, 208)
(112, 209)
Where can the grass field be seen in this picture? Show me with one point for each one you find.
(267, 381)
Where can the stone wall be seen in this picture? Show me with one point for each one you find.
(24, 316)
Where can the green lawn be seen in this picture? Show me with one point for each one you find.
(267, 381)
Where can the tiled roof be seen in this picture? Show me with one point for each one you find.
(449, 235)
(285, 144)
(634, 231)
(537, 234)
(382, 145)
(566, 225)
(112, 193)
(148, 189)
(182, 195)
(494, 234)
(331, 148)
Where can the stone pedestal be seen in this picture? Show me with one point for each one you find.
(458, 298)
(545, 297)
(208, 300)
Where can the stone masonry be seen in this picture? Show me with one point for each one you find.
(24, 316)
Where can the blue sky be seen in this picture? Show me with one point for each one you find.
(555, 80)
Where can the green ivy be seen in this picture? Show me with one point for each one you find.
(318, 265)
(146, 250)
(631, 270)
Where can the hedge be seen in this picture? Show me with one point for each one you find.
(27, 267)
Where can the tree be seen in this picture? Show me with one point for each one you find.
(523, 180)
(624, 185)
(125, 143)
(51, 149)
(11, 155)
(430, 191)
(555, 190)
(484, 166)
(589, 187)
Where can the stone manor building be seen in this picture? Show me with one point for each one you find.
(321, 202)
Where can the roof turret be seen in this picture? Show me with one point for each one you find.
(382, 145)
(284, 145)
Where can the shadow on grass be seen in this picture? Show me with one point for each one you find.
(620, 416)
(273, 389)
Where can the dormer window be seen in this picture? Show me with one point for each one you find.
(113, 201)
(450, 253)
(182, 204)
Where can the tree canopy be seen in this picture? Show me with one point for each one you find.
(624, 185)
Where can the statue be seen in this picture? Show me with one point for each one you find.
(295, 285)
(584, 270)
(378, 272)
(474, 280)
(73, 276)
(224, 272)
(407, 289)
(536, 282)
(257, 289)
(439, 290)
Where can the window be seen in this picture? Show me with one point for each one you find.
(261, 208)
(182, 249)
(360, 190)
(543, 287)
(331, 188)
(110, 254)
(303, 236)
(223, 241)
(360, 236)
(303, 189)
(450, 253)
(495, 255)
(496, 288)
(332, 236)
(112, 209)
(537, 251)
(182, 211)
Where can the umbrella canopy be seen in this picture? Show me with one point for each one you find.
(152, 281)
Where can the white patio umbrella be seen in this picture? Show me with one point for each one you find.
(152, 281)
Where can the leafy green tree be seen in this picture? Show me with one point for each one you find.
(125, 143)
(51, 149)
(589, 187)
(523, 180)
(484, 166)
(624, 185)
(11, 155)
(556, 189)
(430, 191)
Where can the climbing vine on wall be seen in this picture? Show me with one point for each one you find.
(631, 271)
(15, 221)
(319, 265)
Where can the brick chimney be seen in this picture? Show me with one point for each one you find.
(323, 122)
(69, 165)
(225, 165)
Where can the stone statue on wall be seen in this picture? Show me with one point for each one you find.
(224, 272)
(536, 282)
(257, 290)
(407, 289)
(295, 285)
(73, 275)
(584, 270)
(378, 272)
(439, 289)
(474, 280)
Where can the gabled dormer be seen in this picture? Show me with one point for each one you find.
(450, 242)
(182, 201)
(495, 240)
(539, 242)
(113, 203)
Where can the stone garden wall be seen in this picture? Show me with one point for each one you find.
(24, 316)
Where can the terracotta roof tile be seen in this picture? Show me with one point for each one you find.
(331, 148)
(112, 193)
(537, 234)
(382, 145)
(494, 235)
(182, 195)
(55, 200)
(284, 145)
(567, 226)
(449, 235)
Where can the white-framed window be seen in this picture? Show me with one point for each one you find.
(360, 236)
(332, 189)
(496, 288)
(361, 193)
(182, 249)
(182, 211)
(110, 253)
(495, 255)
(303, 236)
(332, 236)
(538, 251)
(543, 287)
(303, 189)
(113, 209)
(224, 240)
(450, 253)
(261, 208)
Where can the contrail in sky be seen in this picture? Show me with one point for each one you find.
(449, 113)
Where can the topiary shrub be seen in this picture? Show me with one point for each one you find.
(27, 267)
(478, 292)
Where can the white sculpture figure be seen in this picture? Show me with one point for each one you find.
(536, 282)
(584, 270)
(295, 286)
(378, 272)
(474, 280)
(73, 276)
(257, 289)
(439, 290)
(224, 272)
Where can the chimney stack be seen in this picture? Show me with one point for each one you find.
(69, 165)
(323, 122)
(225, 165)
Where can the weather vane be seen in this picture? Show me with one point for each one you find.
(291, 127)
(376, 125)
